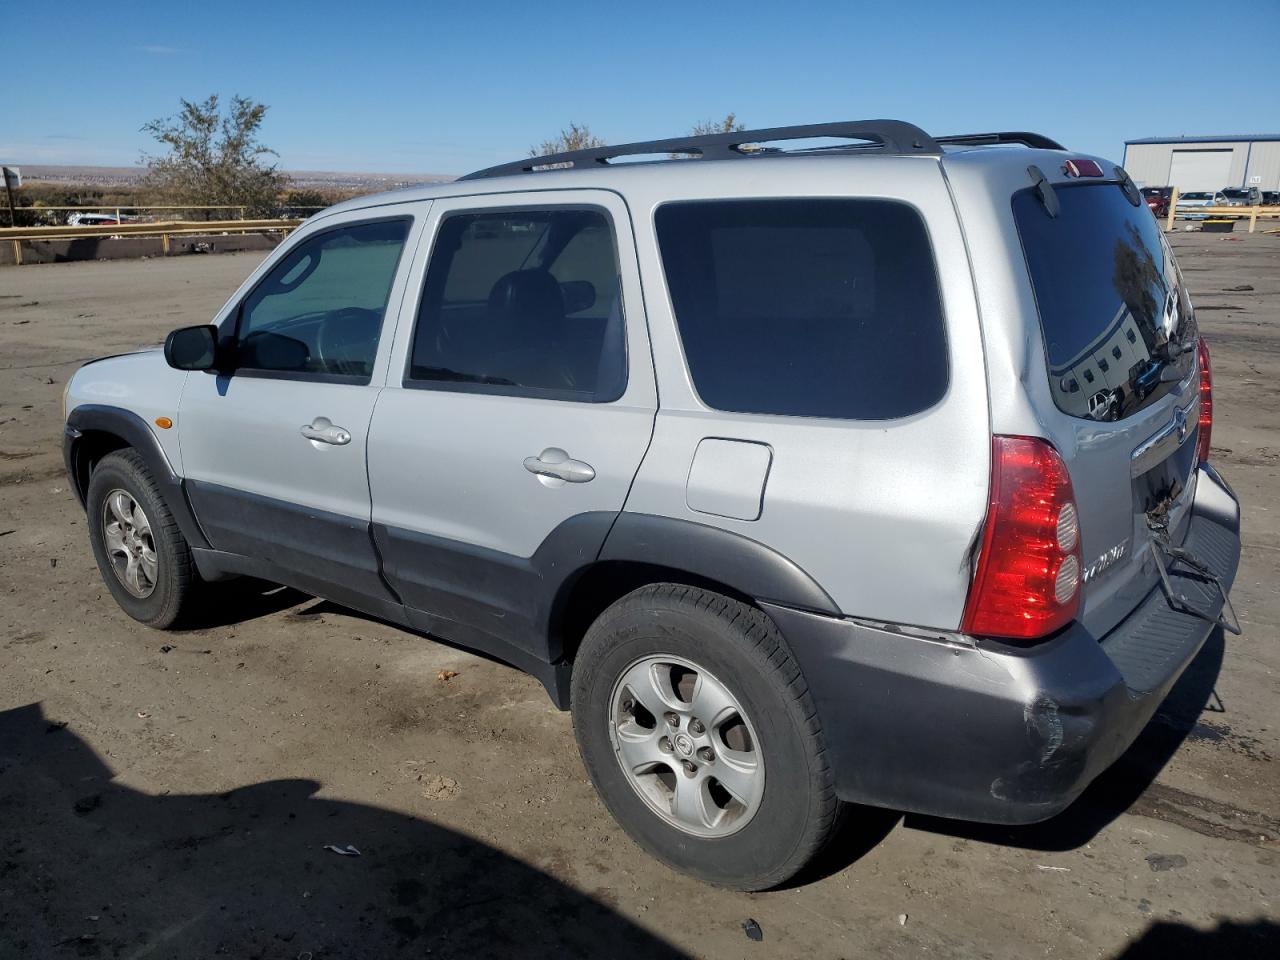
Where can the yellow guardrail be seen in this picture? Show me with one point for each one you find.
(1199, 213)
(163, 230)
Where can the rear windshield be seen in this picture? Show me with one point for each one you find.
(806, 307)
(1112, 304)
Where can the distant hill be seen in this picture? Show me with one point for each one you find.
(131, 176)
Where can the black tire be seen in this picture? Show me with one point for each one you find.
(177, 583)
(744, 650)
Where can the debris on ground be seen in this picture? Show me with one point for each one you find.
(144, 715)
(439, 788)
(1041, 866)
(347, 851)
(56, 726)
(1241, 288)
(89, 803)
(752, 930)
(444, 676)
(167, 647)
(902, 919)
(1159, 862)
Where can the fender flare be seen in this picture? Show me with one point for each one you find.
(746, 565)
(133, 430)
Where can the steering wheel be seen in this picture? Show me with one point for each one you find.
(347, 340)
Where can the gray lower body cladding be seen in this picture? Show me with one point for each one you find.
(993, 733)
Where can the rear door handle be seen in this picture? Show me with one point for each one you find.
(555, 464)
(323, 430)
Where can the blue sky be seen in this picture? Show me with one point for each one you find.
(448, 87)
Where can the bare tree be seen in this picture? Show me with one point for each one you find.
(730, 124)
(214, 157)
(573, 137)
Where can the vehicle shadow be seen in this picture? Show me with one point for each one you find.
(1117, 789)
(1259, 940)
(91, 867)
(239, 600)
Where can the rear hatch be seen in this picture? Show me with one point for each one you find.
(1120, 337)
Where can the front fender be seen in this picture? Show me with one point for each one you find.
(90, 421)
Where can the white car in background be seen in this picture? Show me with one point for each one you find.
(1190, 201)
(93, 220)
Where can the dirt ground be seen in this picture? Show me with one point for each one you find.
(171, 795)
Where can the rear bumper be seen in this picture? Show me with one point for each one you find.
(993, 733)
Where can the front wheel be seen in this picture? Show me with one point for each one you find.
(697, 728)
(142, 556)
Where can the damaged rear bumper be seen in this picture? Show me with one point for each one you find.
(981, 731)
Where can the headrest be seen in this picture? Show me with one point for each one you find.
(526, 297)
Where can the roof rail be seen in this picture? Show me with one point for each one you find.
(883, 136)
(1036, 140)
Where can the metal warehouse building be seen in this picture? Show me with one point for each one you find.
(1205, 163)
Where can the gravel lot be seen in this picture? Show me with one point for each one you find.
(170, 795)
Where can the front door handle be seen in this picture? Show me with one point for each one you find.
(323, 430)
(554, 464)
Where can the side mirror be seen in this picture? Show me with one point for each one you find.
(192, 348)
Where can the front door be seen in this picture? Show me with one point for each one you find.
(515, 414)
(274, 449)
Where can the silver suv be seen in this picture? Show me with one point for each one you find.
(875, 473)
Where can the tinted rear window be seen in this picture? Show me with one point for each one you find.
(811, 308)
(1110, 298)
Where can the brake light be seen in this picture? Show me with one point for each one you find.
(1027, 584)
(1206, 402)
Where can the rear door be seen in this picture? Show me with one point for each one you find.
(520, 402)
(1120, 338)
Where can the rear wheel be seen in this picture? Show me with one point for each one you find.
(142, 556)
(697, 729)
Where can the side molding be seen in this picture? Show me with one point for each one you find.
(133, 430)
(747, 565)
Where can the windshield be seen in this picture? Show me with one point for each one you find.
(1118, 327)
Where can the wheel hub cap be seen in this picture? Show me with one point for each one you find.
(686, 746)
(130, 546)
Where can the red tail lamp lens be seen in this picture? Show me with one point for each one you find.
(1027, 584)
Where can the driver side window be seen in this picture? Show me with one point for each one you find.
(319, 312)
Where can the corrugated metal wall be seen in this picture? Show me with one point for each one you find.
(1264, 162)
(1150, 163)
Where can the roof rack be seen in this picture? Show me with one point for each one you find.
(1035, 140)
(883, 136)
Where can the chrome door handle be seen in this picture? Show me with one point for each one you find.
(323, 430)
(555, 464)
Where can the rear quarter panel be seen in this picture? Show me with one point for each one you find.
(882, 514)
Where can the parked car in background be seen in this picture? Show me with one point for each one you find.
(92, 220)
(1271, 198)
(858, 474)
(1157, 199)
(1188, 202)
(1236, 197)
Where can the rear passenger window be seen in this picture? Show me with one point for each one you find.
(809, 308)
(522, 302)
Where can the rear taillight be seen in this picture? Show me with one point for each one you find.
(1027, 584)
(1206, 402)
